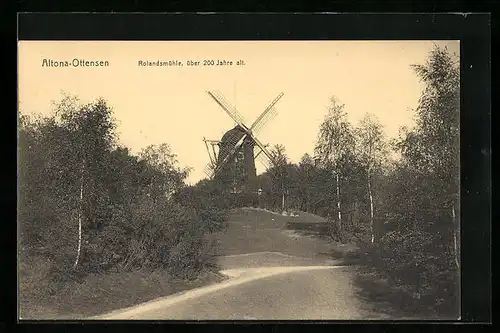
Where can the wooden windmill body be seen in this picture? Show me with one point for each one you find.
(232, 159)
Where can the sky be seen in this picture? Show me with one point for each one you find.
(170, 104)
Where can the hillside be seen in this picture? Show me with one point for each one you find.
(253, 230)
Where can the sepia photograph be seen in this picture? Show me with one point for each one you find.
(239, 180)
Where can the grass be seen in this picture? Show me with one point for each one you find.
(254, 230)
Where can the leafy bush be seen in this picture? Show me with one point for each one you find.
(73, 174)
(209, 202)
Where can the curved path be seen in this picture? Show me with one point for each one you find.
(272, 274)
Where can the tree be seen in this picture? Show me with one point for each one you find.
(433, 145)
(93, 129)
(420, 247)
(335, 140)
(62, 175)
(306, 173)
(371, 149)
(279, 172)
(166, 176)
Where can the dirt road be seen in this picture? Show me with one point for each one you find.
(273, 273)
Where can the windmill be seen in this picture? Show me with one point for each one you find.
(239, 147)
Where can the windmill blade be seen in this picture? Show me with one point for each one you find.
(226, 148)
(263, 148)
(264, 161)
(229, 106)
(208, 170)
(260, 151)
(230, 154)
(231, 111)
(267, 110)
(268, 117)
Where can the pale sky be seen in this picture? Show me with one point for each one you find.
(154, 105)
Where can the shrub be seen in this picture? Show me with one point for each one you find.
(209, 202)
(71, 170)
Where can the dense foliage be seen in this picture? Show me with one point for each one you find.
(75, 180)
(405, 210)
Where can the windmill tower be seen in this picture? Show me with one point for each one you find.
(238, 148)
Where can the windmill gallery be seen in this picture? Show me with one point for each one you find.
(232, 158)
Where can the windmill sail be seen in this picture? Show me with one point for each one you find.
(268, 117)
(241, 139)
(208, 170)
(226, 106)
(264, 161)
